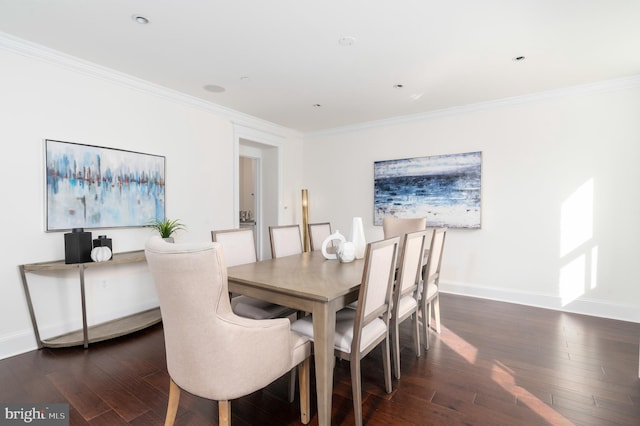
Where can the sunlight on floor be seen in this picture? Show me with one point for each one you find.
(505, 378)
(459, 346)
(579, 272)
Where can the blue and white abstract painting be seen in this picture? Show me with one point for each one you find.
(445, 189)
(96, 187)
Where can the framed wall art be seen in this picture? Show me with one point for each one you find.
(96, 187)
(446, 189)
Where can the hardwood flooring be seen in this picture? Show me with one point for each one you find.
(493, 364)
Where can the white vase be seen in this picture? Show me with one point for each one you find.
(357, 237)
(101, 254)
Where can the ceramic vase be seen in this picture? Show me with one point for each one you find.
(357, 237)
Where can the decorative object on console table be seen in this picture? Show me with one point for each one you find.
(166, 227)
(77, 246)
(101, 254)
(101, 246)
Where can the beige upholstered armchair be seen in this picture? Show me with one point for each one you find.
(211, 352)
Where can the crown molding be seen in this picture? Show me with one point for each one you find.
(578, 90)
(55, 57)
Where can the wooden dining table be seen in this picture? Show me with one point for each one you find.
(310, 283)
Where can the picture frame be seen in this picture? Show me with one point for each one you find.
(94, 187)
(446, 189)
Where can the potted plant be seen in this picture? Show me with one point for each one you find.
(166, 227)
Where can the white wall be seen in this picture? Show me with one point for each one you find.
(560, 203)
(57, 98)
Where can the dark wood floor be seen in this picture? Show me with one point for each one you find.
(493, 364)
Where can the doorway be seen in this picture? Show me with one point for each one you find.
(258, 173)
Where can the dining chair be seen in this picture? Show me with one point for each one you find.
(398, 226)
(406, 294)
(358, 331)
(211, 352)
(239, 248)
(318, 232)
(285, 240)
(431, 281)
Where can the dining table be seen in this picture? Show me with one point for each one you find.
(312, 284)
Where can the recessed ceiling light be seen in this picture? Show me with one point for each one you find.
(317, 105)
(244, 77)
(140, 19)
(519, 58)
(214, 88)
(398, 86)
(346, 41)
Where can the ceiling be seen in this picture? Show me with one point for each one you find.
(277, 59)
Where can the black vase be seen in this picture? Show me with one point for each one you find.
(77, 246)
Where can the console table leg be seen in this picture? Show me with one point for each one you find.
(34, 323)
(85, 332)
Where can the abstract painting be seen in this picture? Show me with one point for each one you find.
(445, 189)
(96, 187)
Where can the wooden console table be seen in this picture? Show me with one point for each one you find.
(95, 333)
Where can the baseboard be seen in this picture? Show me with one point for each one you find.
(584, 306)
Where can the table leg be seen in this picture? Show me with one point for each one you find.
(324, 320)
(85, 333)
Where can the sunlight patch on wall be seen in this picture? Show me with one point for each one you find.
(576, 221)
(577, 252)
(572, 280)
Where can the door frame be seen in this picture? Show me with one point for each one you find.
(267, 147)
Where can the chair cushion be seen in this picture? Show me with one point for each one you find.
(432, 290)
(249, 307)
(407, 304)
(345, 319)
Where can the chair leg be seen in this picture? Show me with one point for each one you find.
(356, 388)
(416, 333)
(426, 313)
(224, 413)
(304, 377)
(172, 405)
(436, 312)
(386, 360)
(292, 385)
(395, 343)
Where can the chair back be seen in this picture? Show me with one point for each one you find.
(374, 298)
(431, 274)
(191, 282)
(285, 240)
(238, 244)
(398, 226)
(318, 232)
(210, 351)
(410, 269)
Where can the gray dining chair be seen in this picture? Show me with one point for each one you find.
(239, 248)
(358, 331)
(406, 296)
(431, 281)
(211, 352)
(318, 232)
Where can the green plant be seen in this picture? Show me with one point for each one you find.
(166, 227)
